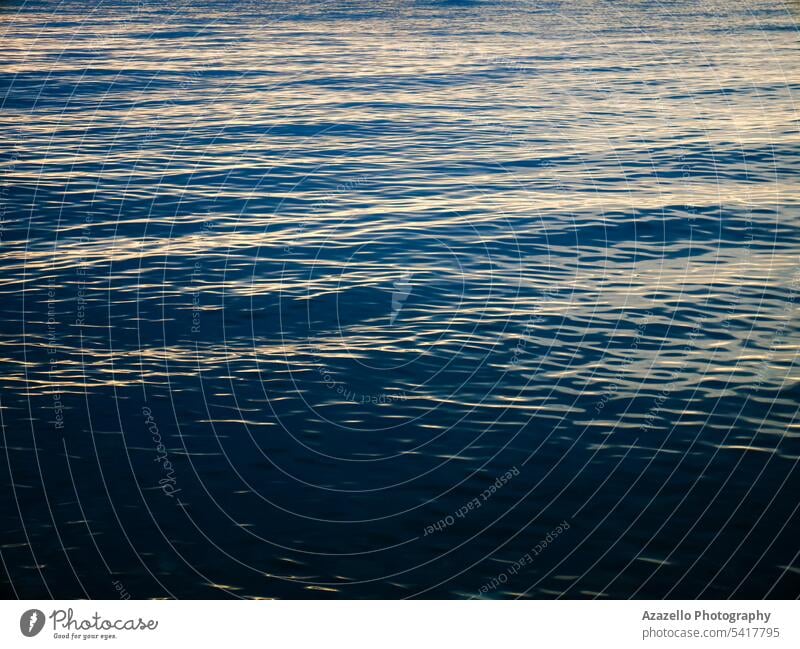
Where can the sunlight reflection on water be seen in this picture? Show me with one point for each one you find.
(360, 260)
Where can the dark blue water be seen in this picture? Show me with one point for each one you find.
(400, 299)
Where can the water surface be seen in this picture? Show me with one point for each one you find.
(400, 299)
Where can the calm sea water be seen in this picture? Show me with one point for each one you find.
(400, 299)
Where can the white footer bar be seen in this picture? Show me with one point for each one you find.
(399, 624)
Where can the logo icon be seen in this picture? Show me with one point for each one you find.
(31, 622)
(402, 289)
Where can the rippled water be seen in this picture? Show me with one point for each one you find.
(395, 299)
